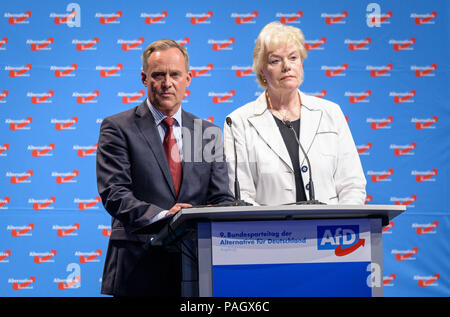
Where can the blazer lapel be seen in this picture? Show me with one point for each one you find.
(146, 124)
(309, 126)
(310, 122)
(265, 125)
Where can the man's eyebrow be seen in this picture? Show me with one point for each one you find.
(163, 72)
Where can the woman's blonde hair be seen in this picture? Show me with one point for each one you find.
(273, 35)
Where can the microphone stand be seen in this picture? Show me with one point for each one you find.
(312, 198)
(237, 189)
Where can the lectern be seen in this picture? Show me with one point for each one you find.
(282, 251)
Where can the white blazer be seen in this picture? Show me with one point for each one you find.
(265, 172)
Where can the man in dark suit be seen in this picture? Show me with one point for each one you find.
(152, 161)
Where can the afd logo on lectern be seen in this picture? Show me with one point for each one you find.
(342, 239)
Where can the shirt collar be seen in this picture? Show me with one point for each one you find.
(159, 116)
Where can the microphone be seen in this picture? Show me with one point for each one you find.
(312, 198)
(237, 189)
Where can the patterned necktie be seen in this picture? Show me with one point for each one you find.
(172, 153)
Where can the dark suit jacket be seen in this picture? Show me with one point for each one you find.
(135, 184)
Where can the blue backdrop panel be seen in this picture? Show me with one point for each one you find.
(65, 66)
(278, 280)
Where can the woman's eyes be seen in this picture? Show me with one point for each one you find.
(277, 60)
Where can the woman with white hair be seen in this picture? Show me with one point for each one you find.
(271, 166)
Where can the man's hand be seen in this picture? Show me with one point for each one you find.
(177, 207)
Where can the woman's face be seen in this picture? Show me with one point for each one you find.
(283, 69)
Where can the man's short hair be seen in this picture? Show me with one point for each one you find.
(162, 45)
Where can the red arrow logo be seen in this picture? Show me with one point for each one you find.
(409, 148)
(82, 47)
(337, 71)
(218, 47)
(107, 73)
(217, 99)
(106, 20)
(243, 20)
(422, 178)
(287, 20)
(364, 148)
(425, 72)
(421, 21)
(133, 98)
(199, 20)
(20, 179)
(197, 73)
(37, 206)
(85, 206)
(378, 125)
(63, 233)
(316, 44)
(407, 255)
(20, 72)
(45, 258)
(18, 286)
(243, 72)
(6, 254)
(407, 202)
(68, 18)
(90, 151)
(356, 99)
(423, 125)
(46, 150)
(63, 73)
(358, 46)
(63, 126)
(400, 47)
(37, 47)
(149, 20)
(19, 19)
(339, 251)
(63, 286)
(388, 227)
(377, 178)
(384, 70)
(424, 230)
(333, 20)
(389, 279)
(127, 47)
(17, 233)
(89, 258)
(423, 283)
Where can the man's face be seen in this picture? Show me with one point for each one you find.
(166, 80)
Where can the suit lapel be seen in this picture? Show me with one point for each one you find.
(265, 125)
(190, 134)
(146, 124)
(192, 148)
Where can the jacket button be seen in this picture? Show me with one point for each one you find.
(304, 168)
(307, 186)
